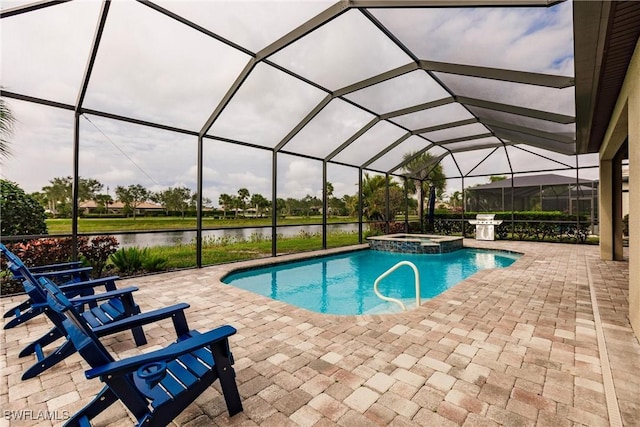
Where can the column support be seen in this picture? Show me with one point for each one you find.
(606, 219)
(617, 207)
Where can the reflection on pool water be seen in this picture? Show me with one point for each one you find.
(343, 284)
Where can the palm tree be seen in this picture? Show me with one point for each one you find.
(455, 200)
(373, 196)
(328, 199)
(59, 194)
(7, 121)
(260, 203)
(351, 204)
(428, 175)
(243, 196)
(225, 203)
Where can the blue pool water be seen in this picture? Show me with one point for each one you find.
(343, 284)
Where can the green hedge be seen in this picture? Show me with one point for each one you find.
(21, 213)
(102, 216)
(535, 226)
(149, 214)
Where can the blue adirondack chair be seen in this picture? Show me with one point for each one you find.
(157, 386)
(63, 273)
(74, 282)
(106, 313)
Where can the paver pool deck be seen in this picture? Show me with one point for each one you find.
(544, 342)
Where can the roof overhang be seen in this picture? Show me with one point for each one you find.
(605, 36)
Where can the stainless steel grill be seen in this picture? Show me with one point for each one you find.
(485, 226)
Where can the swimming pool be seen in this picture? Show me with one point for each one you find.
(343, 284)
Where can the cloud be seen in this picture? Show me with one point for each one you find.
(44, 53)
(189, 177)
(253, 24)
(336, 123)
(526, 39)
(163, 71)
(301, 177)
(371, 143)
(42, 146)
(248, 180)
(347, 50)
(154, 68)
(407, 90)
(266, 108)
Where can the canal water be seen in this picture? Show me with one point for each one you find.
(169, 238)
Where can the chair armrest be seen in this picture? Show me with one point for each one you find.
(103, 296)
(107, 282)
(145, 318)
(60, 273)
(40, 305)
(60, 266)
(122, 367)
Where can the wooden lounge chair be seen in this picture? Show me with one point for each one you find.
(157, 386)
(63, 274)
(106, 313)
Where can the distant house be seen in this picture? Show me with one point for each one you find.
(251, 213)
(91, 207)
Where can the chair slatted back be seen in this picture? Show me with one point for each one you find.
(79, 331)
(18, 269)
(15, 264)
(90, 347)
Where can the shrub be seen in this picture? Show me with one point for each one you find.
(134, 260)
(379, 228)
(625, 225)
(37, 252)
(8, 285)
(208, 241)
(258, 238)
(98, 251)
(46, 251)
(304, 234)
(128, 260)
(153, 262)
(21, 213)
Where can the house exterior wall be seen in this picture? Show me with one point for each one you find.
(625, 123)
(634, 190)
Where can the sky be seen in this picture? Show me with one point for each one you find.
(153, 68)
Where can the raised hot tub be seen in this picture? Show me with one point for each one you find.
(415, 243)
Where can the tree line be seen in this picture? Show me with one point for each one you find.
(57, 197)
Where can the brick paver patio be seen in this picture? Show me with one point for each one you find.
(544, 342)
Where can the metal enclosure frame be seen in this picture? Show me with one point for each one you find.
(504, 134)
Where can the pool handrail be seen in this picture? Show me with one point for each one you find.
(391, 270)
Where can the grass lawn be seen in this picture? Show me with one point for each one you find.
(182, 256)
(112, 225)
(217, 251)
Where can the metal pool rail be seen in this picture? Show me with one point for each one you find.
(391, 270)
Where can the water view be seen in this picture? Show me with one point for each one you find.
(168, 238)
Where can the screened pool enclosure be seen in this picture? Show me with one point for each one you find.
(293, 99)
(543, 192)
